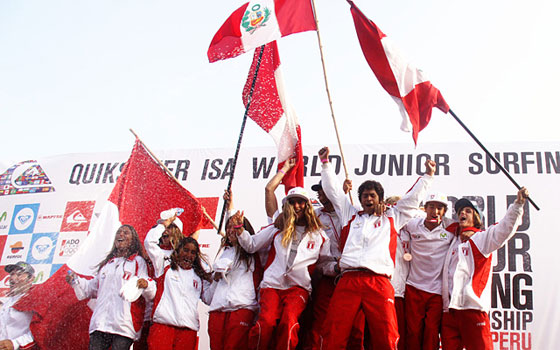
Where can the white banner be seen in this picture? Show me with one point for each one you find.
(47, 207)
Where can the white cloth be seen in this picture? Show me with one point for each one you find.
(428, 250)
(112, 314)
(402, 267)
(14, 324)
(313, 248)
(332, 228)
(177, 304)
(371, 240)
(468, 265)
(236, 289)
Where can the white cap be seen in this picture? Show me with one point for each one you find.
(166, 214)
(436, 197)
(298, 192)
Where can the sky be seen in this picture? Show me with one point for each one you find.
(76, 75)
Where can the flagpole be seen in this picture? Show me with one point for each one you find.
(329, 95)
(234, 164)
(173, 177)
(491, 156)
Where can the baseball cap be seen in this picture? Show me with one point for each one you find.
(317, 187)
(20, 265)
(296, 192)
(437, 197)
(462, 203)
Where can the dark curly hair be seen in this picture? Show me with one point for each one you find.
(135, 248)
(371, 185)
(241, 256)
(196, 264)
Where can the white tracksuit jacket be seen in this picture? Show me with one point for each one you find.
(332, 228)
(236, 289)
(370, 241)
(468, 265)
(14, 324)
(113, 314)
(313, 248)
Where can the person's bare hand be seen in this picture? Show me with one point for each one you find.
(142, 283)
(347, 186)
(289, 164)
(71, 277)
(379, 209)
(6, 344)
(169, 221)
(430, 167)
(522, 195)
(324, 154)
(217, 276)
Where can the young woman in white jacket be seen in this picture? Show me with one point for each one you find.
(467, 275)
(116, 322)
(294, 243)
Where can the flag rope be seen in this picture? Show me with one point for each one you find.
(329, 96)
(173, 177)
(234, 164)
(491, 156)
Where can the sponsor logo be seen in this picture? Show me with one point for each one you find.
(255, 17)
(25, 177)
(67, 245)
(77, 216)
(16, 247)
(4, 216)
(195, 284)
(24, 218)
(42, 248)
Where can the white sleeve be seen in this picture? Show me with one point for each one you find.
(333, 190)
(407, 207)
(496, 235)
(86, 289)
(156, 254)
(258, 241)
(326, 261)
(208, 289)
(150, 292)
(23, 341)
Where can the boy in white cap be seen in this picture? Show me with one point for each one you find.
(14, 324)
(428, 241)
(294, 243)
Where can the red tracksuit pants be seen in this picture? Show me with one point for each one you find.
(423, 319)
(401, 322)
(280, 310)
(321, 298)
(230, 330)
(164, 337)
(374, 295)
(466, 328)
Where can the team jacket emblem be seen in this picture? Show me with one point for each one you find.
(311, 245)
(254, 18)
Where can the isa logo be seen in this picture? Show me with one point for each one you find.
(77, 216)
(24, 218)
(42, 248)
(25, 177)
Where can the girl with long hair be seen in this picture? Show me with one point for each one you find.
(294, 243)
(180, 285)
(116, 322)
(234, 299)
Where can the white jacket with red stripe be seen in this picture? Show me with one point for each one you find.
(370, 241)
(14, 324)
(313, 248)
(113, 314)
(468, 265)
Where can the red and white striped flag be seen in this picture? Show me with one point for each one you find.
(259, 22)
(271, 111)
(143, 190)
(408, 86)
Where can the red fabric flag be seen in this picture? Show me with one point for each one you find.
(142, 192)
(408, 86)
(270, 110)
(259, 22)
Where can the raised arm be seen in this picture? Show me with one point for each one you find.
(151, 243)
(333, 190)
(258, 241)
(496, 235)
(270, 200)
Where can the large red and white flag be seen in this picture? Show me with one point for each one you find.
(259, 22)
(271, 111)
(408, 86)
(142, 192)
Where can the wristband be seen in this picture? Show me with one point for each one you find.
(238, 226)
(324, 161)
(281, 171)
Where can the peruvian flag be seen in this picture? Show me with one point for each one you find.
(259, 22)
(142, 192)
(270, 110)
(408, 86)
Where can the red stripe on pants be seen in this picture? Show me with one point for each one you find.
(280, 310)
(372, 293)
(164, 337)
(466, 328)
(423, 319)
(230, 330)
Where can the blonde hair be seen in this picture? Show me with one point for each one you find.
(175, 235)
(288, 224)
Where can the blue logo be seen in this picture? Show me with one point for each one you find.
(42, 248)
(24, 218)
